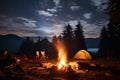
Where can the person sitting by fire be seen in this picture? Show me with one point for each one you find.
(37, 55)
(7, 59)
(43, 56)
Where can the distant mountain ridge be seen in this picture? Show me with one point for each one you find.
(92, 42)
(10, 42)
(13, 42)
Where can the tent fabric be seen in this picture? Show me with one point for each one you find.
(82, 54)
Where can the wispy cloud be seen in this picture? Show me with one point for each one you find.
(49, 10)
(44, 13)
(28, 22)
(98, 4)
(53, 10)
(87, 15)
(57, 2)
(54, 29)
(57, 5)
(73, 8)
(20, 26)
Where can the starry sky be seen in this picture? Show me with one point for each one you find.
(46, 18)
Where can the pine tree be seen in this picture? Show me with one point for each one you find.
(67, 33)
(113, 11)
(27, 46)
(79, 39)
(103, 46)
(38, 45)
(67, 36)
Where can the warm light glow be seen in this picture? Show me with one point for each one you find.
(62, 54)
(43, 54)
(74, 65)
(62, 63)
(17, 60)
(37, 53)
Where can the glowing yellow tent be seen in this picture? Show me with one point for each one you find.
(82, 54)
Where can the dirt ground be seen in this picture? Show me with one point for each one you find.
(32, 69)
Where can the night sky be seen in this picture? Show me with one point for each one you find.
(46, 18)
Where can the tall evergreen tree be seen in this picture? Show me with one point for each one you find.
(103, 46)
(38, 45)
(47, 46)
(67, 36)
(113, 11)
(27, 46)
(79, 39)
(45, 43)
(114, 40)
(67, 33)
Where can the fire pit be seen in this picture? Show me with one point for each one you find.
(62, 67)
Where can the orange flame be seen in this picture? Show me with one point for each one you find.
(62, 54)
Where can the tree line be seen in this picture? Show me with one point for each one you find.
(74, 41)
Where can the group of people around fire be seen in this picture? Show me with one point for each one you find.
(6, 59)
(40, 55)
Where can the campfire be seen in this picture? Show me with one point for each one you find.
(62, 55)
(62, 63)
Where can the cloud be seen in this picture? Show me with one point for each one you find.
(28, 22)
(72, 23)
(5, 22)
(53, 10)
(47, 7)
(99, 4)
(57, 2)
(92, 29)
(54, 29)
(73, 8)
(49, 24)
(45, 13)
(20, 26)
(87, 15)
